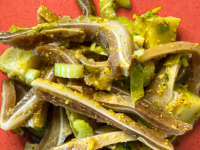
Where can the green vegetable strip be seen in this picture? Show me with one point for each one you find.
(174, 59)
(44, 26)
(148, 72)
(185, 61)
(151, 14)
(136, 80)
(83, 128)
(14, 28)
(69, 70)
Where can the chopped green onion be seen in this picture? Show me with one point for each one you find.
(148, 72)
(14, 28)
(43, 26)
(185, 61)
(69, 70)
(83, 128)
(163, 27)
(136, 80)
(151, 14)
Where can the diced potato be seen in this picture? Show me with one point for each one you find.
(185, 105)
(160, 30)
(16, 62)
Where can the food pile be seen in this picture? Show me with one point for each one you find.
(99, 82)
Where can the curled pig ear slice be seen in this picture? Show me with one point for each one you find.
(55, 54)
(110, 34)
(62, 96)
(17, 114)
(98, 141)
(169, 48)
(87, 7)
(58, 129)
(144, 110)
(160, 91)
(86, 62)
(28, 39)
(193, 81)
(8, 100)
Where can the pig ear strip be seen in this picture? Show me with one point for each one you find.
(12, 114)
(58, 95)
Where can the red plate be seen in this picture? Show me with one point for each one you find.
(23, 14)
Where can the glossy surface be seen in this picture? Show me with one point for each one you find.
(23, 14)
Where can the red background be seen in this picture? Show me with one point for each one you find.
(23, 14)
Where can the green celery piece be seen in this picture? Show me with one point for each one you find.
(163, 27)
(185, 61)
(43, 26)
(148, 72)
(14, 28)
(127, 23)
(69, 70)
(83, 128)
(97, 49)
(136, 81)
(108, 7)
(174, 59)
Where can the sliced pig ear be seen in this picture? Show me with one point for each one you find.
(87, 7)
(62, 96)
(169, 48)
(56, 54)
(193, 81)
(93, 65)
(160, 91)
(58, 129)
(110, 34)
(143, 109)
(13, 115)
(98, 141)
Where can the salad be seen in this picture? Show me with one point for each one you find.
(99, 82)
